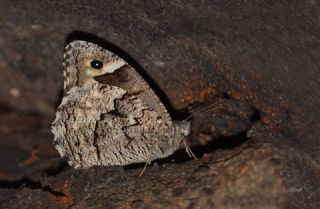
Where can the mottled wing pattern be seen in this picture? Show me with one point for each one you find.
(109, 115)
(103, 125)
(123, 75)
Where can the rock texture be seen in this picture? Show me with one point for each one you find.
(260, 149)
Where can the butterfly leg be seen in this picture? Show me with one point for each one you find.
(188, 150)
(144, 168)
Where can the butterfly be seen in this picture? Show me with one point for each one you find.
(109, 115)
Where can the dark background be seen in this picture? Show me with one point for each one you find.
(261, 59)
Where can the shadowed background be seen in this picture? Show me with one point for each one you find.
(261, 59)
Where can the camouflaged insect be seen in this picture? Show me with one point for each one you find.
(109, 115)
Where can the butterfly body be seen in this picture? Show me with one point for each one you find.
(116, 121)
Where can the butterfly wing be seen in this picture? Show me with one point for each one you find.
(116, 72)
(129, 79)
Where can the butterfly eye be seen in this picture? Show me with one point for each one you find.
(96, 64)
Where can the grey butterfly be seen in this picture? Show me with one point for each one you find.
(109, 115)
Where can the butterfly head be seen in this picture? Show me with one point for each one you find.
(84, 60)
(185, 128)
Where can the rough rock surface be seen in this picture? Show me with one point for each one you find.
(260, 58)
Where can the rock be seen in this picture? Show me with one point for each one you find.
(260, 59)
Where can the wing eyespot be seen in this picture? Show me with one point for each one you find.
(96, 64)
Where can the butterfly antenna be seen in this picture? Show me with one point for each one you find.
(201, 110)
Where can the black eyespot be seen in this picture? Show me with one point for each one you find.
(96, 64)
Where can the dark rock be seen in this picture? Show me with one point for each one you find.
(259, 148)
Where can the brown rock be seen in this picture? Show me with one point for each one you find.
(260, 58)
